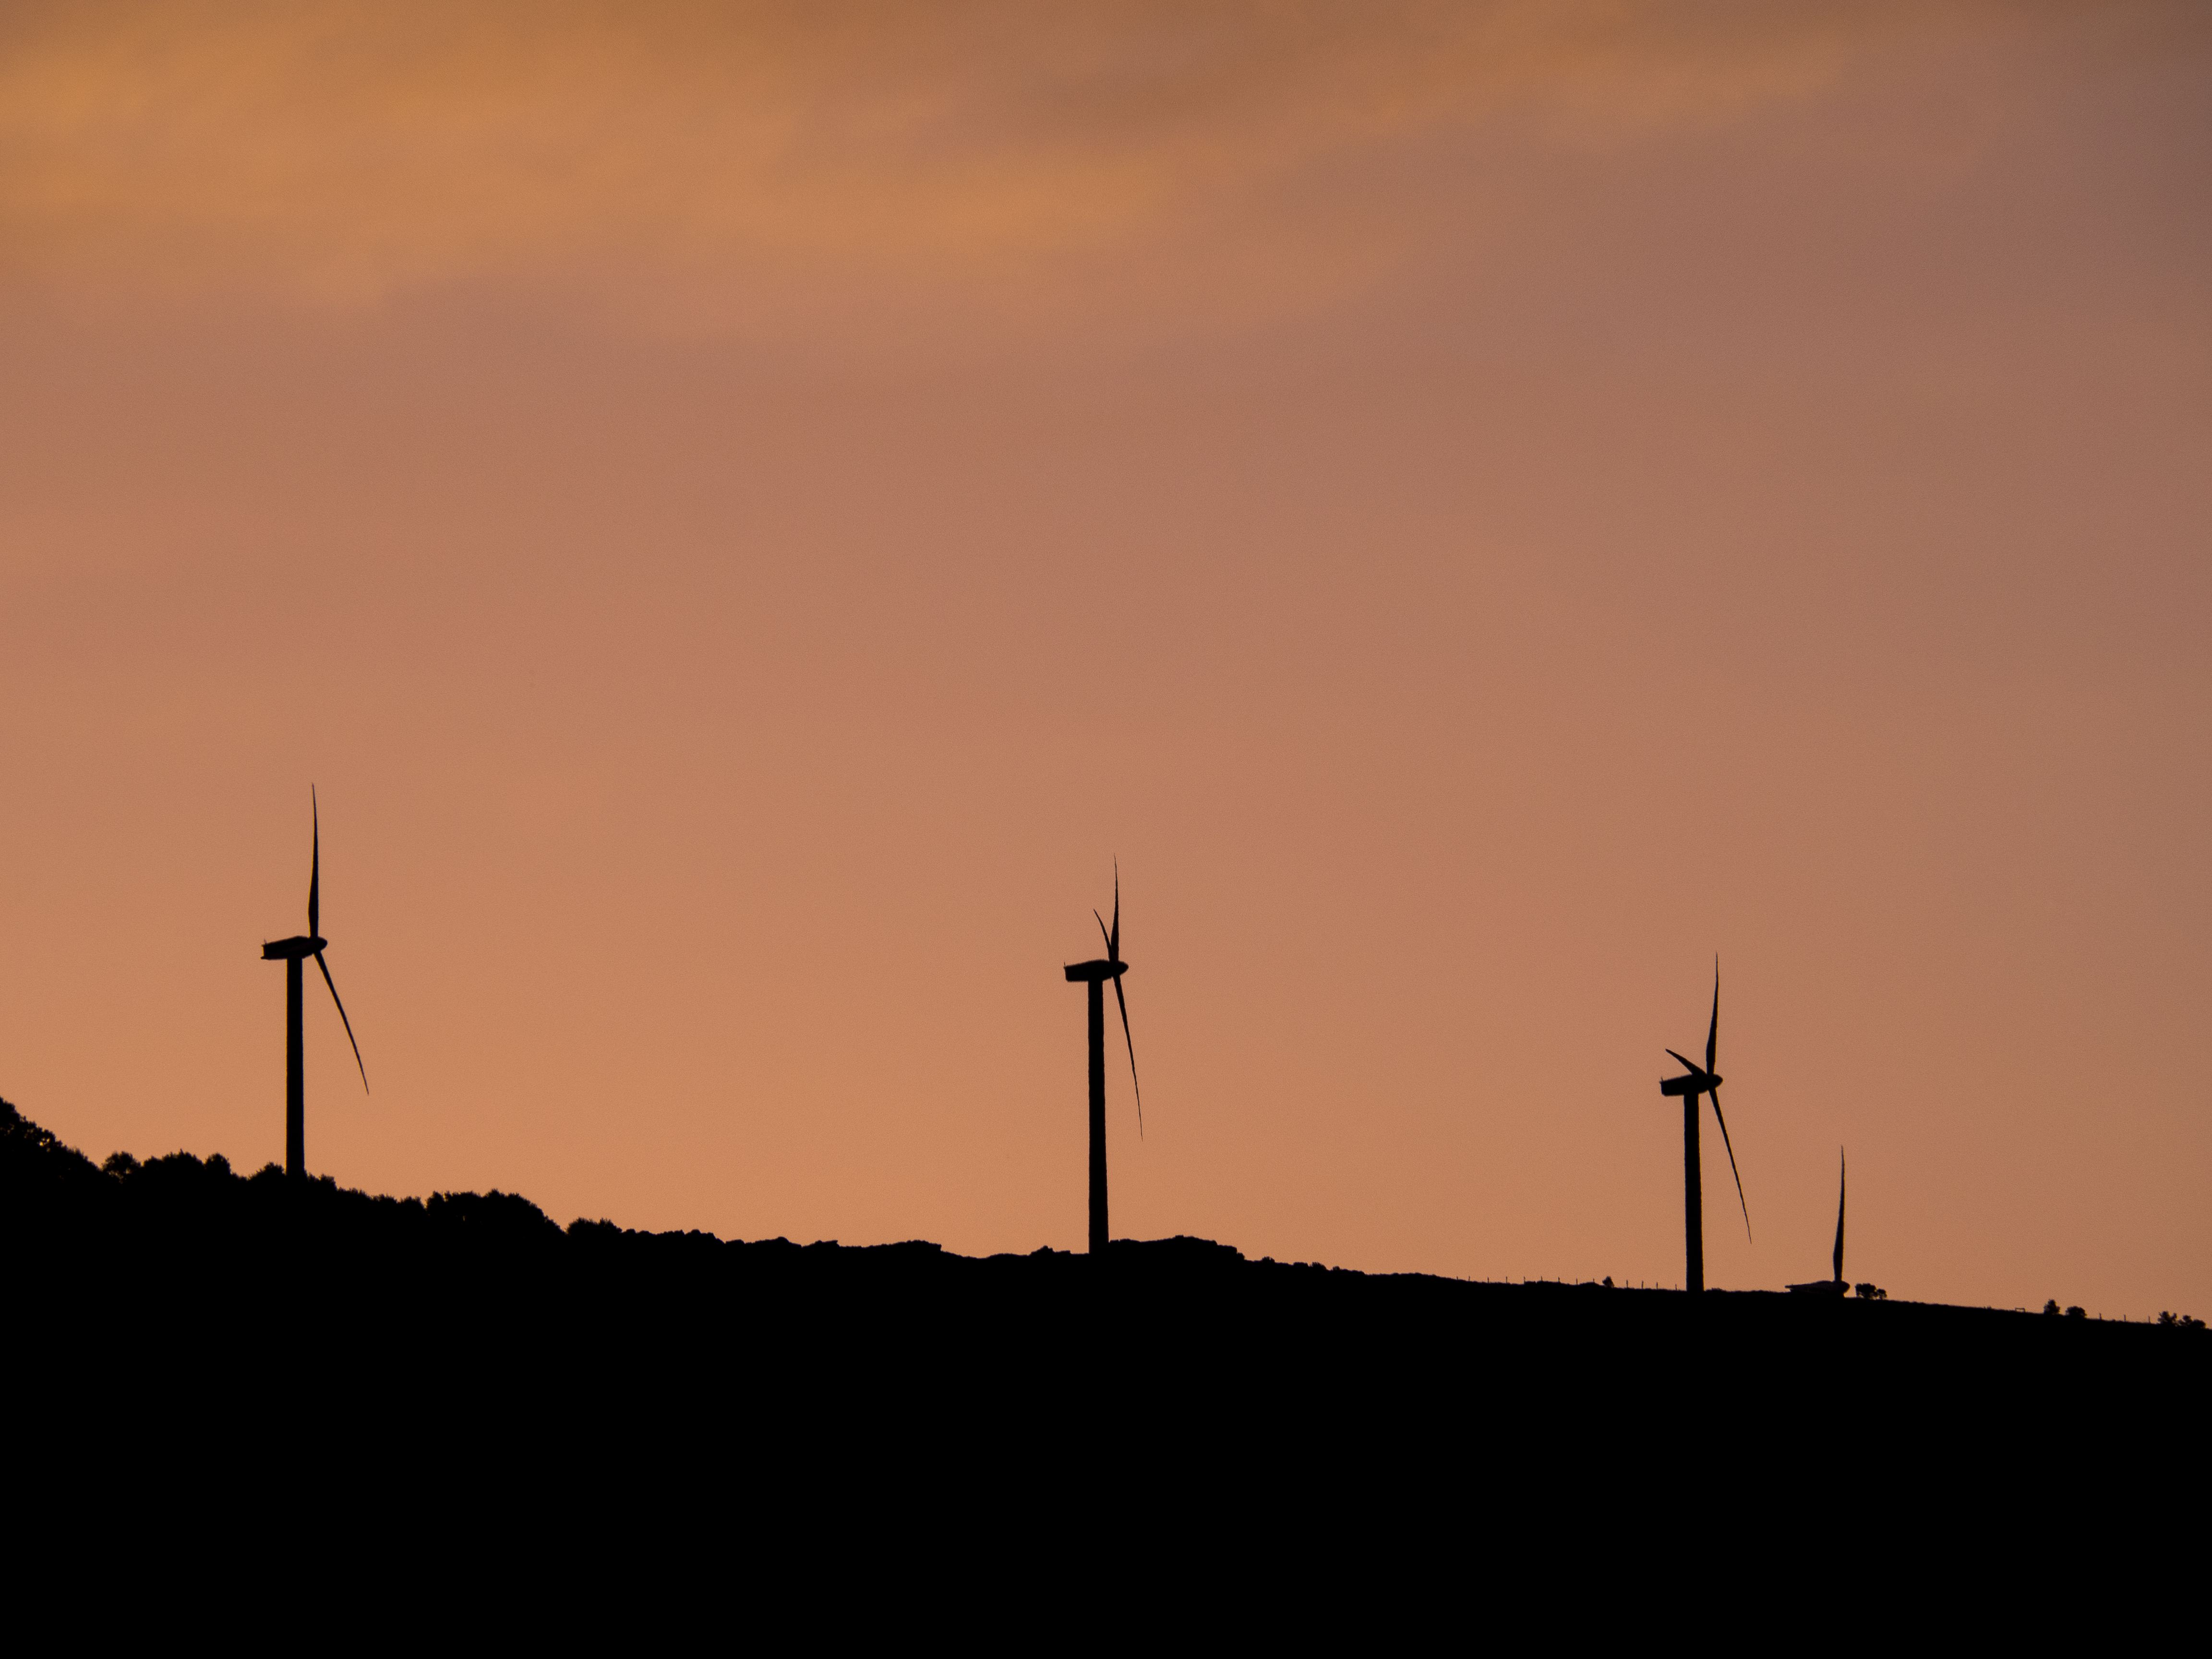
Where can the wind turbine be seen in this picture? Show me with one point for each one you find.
(1094, 975)
(291, 952)
(1701, 1080)
(1833, 1286)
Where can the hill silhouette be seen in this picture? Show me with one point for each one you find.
(310, 1321)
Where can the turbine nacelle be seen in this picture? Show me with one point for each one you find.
(1086, 973)
(295, 949)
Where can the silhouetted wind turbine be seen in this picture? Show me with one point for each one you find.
(1833, 1286)
(1094, 975)
(290, 951)
(1702, 1080)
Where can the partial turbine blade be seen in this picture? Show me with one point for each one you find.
(315, 873)
(1843, 1187)
(1715, 1096)
(1123, 1002)
(333, 984)
(1103, 934)
(1688, 1064)
(1713, 1032)
(1114, 939)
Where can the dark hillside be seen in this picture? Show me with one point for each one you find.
(181, 1299)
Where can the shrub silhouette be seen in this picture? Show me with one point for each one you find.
(1873, 1293)
(2051, 1307)
(492, 1217)
(2075, 1313)
(33, 1160)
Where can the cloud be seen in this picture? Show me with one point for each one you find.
(726, 163)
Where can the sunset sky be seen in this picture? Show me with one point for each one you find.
(744, 512)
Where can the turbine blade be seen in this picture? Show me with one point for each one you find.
(333, 984)
(1103, 934)
(315, 873)
(1843, 1187)
(1713, 1032)
(1689, 1065)
(1114, 939)
(1122, 1003)
(1714, 1095)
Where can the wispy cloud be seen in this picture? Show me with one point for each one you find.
(724, 159)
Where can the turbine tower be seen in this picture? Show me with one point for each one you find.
(1701, 1080)
(1093, 976)
(291, 952)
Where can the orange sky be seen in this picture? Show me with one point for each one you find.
(745, 513)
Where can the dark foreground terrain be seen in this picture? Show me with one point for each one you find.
(158, 1308)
